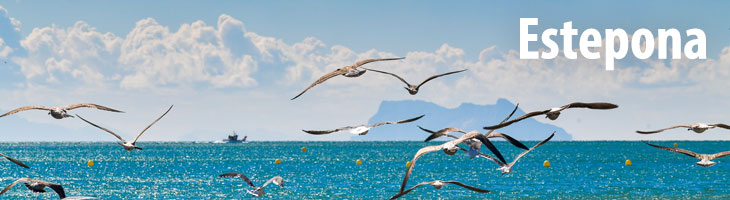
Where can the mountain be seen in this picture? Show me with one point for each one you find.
(467, 117)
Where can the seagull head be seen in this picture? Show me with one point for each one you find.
(552, 115)
(505, 169)
(412, 89)
(437, 184)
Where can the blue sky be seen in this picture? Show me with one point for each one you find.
(133, 55)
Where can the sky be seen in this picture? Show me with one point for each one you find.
(234, 65)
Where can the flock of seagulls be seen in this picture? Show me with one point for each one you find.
(39, 186)
(472, 139)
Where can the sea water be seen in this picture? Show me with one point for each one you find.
(189, 170)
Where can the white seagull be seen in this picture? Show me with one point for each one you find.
(438, 185)
(347, 71)
(256, 191)
(128, 145)
(507, 167)
(705, 159)
(60, 112)
(360, 129)
(696, 127)
(553, 113)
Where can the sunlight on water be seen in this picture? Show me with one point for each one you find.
(579, 170)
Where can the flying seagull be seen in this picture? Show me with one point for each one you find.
(553, 113)
(696, 127)
(15, 161)
(39, 187)
(507, 168)
(361, 129)
(128, 145)
(60, 112)
(347, 71)
(413, 89)
(450, 148)
(705, 159)
(438, 185)
(257, 191)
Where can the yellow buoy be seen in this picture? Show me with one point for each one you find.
(277, 161)
(628, 163)
(304, 149)
(408, 164)
(675, 144)
(90, 163)
(358, 162)
(546, 163)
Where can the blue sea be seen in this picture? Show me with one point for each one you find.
(328, 170)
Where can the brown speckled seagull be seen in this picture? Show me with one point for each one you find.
(553, 113)
(413, 89)
(696, 127)
(347, 71)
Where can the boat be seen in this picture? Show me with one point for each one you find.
(234, 139)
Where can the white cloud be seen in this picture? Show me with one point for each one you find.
(152, 65)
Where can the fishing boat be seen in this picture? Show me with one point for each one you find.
(233, 139)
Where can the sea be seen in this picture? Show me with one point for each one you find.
(329, 170)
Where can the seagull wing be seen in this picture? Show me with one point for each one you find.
(533, 147)
(238, 175)
(442, 132)
(509, 139)
(153, 123)
(725, 126)
(719, 155)
(420, 153)
(439, 75)
(366, 61)
(500, 163)
(24, 180)
(26, 108)
(409, 189)
(676, 150)
(323, 132)
(392, 74)
(80, 198)
(15, 161)
(664, 129)
(396, 122)
(57, 188)
(491, 147)
(528, 115)
(274, 179)
(102, 128)
(90, 105)
(596, 105)
(472, 188)
(322, 80)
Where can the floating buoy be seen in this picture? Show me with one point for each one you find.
(546, 163)
(358, 162)
(408, 164)
(90, 163)
(277, 161)
(304, 149)
(628, 163)
(675, 144)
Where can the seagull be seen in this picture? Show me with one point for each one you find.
(347, 71)
(553, 113)
(507, 168)
(15, 161)
(128, 145)
(413, 89)
(438, 185)
(39, 187)
(696, 127)
(705, 159)
(60, 112)
(450, 148)
(257, 191)
(361, 129)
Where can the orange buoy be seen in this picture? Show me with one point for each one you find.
(546, 164)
